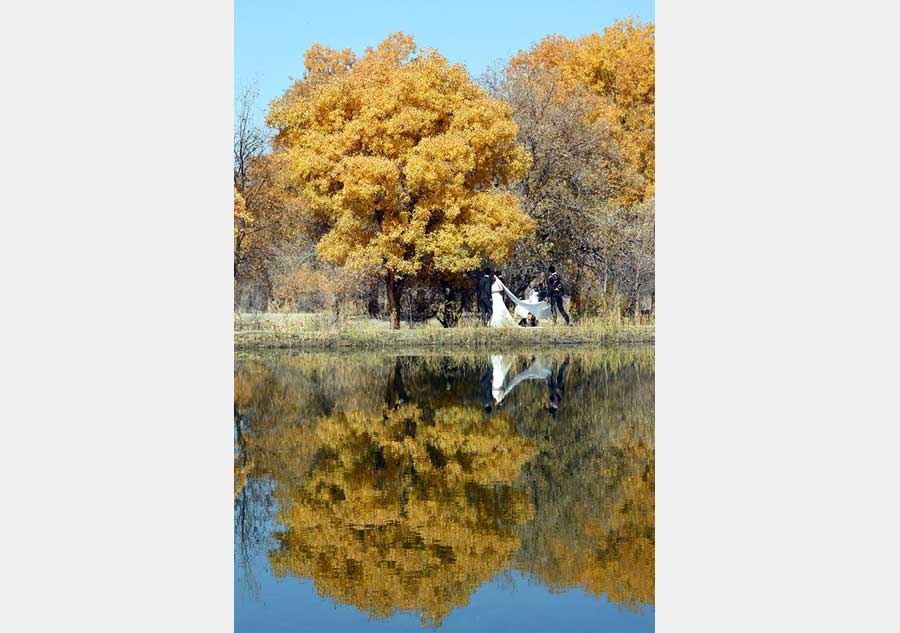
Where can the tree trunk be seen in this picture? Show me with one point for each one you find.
(372, 306)
(267, 282)
(636, 292)
(393, 300)
(579, 297)
(237, 256)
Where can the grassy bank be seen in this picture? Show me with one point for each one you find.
(315, 331)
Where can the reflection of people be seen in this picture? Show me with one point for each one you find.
(500, 368)
(555, 385)
(554, 285)
(535, 371)
(486, 389)
(484, 296)
(500, 316)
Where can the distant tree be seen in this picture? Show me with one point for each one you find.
(265, 214)
(405, 160)
(630, 244)
(250, 140)
(616, 72)
(576, 168)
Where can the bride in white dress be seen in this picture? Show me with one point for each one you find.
(500, 316)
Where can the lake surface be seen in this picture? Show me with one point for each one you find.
(479, 492)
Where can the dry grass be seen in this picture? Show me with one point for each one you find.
(321, 331)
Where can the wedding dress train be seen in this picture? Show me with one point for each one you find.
(500, 316)
(521, 312)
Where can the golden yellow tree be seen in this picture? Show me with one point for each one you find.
(616, 72)
(406, 159)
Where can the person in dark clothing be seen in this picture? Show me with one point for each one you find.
(554, 286)
(484, 296)
(555, 386)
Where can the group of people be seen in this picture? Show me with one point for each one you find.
(545, 299)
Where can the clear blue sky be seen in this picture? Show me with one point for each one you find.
(270, 37)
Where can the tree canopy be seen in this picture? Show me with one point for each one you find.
(406, 159)
(616, 73)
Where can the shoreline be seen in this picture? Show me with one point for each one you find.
(454, 338)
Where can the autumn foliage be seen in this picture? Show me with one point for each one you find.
(405, 158)
(616, 73)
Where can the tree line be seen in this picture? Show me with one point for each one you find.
(383, 183)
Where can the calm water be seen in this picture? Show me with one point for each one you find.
(380, 492)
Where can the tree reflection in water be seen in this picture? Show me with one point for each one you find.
(398, 487)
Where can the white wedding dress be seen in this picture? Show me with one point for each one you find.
(500, 316)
